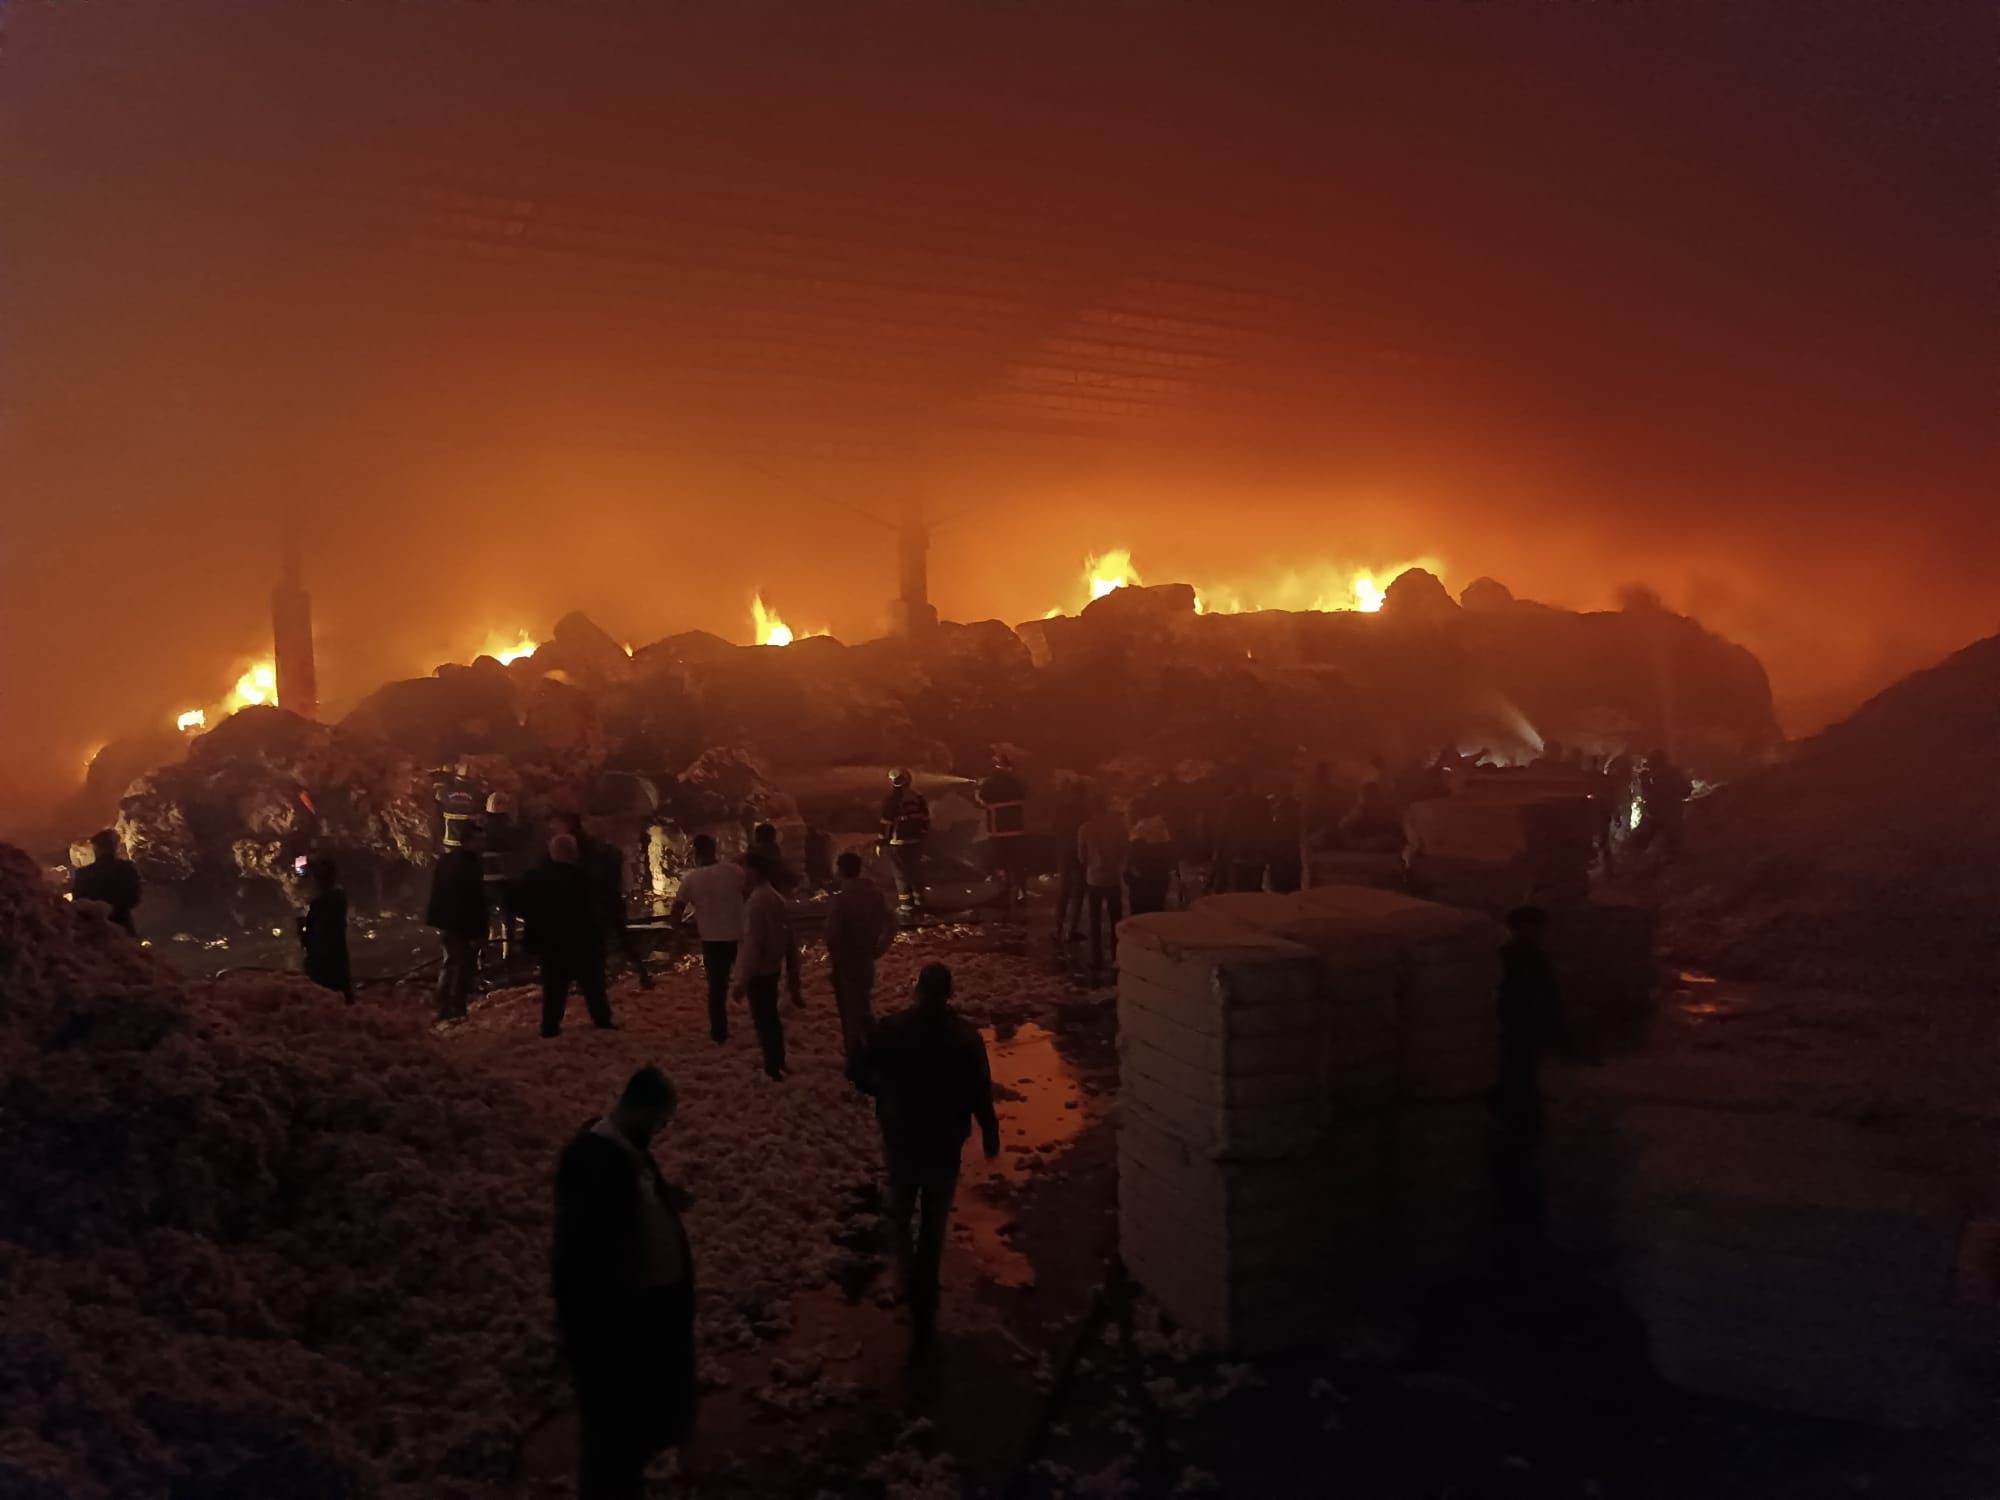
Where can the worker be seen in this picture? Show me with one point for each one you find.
(323, 929)
(562, 917)
(927, 1068)
(1530, 1026)
(623, 1276)
(769, 949)
(1373, 825)
(1243, 838)
(1663, 790)
(713, 891)
(605, 864)
(764, 839)
(859, 930)
(458, 800)
(1102, 844)
(1285, 858)
(457, 909)
(1150, 861)
(505, 856)
(1070, 811)
(906, 823)
(109, 878)
(1004, 798)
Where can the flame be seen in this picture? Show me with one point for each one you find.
(258, 684)
(194, 718)
(506, 646)
(1319, 586)
(1111, 570)
(771, 627)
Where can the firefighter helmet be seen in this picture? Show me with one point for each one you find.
(900, 776)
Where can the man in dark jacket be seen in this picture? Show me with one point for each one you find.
(906, 824)
(1530, 1025)
(859, 930)
(623, 1277)
(457, 909)
(928, 1071)
(323, 929)
(1003, 796)
(605, 865)
(109, 877)
(562, 920)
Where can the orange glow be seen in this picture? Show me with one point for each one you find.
(771, 627)
(509, 645)
(258, 684)
(1318, 586)
(194, 718)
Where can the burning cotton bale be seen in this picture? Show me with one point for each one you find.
(265, 786)
(460, 710)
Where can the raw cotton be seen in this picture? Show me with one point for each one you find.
(1864, 860)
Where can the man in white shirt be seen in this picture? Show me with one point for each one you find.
(770, 954)
(714, 892)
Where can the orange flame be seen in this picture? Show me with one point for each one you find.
(770, 626)
(1319, 586)
(506, 646)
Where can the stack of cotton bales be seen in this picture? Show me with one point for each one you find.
(1303, 1083)
(1822, 1284)
(1606, 974)
(1494, 845)
(1223, 1205)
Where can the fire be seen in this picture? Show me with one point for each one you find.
(258, 684)
(1321, 586)
(1113, 570)
(771, 627)
(509, 645)
(194, 718)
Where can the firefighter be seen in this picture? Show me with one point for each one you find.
(1004, 797)
(458, 800)
(906, 822)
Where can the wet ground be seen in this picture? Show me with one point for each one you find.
(1054, 1378)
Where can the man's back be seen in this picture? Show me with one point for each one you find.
(458, 894)
(1102, 846)
(113, 881)
(857, 923)
(564, 910)
(929, 1074)
(766, 933)
(715, 894)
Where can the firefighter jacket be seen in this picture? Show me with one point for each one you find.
(906, 816)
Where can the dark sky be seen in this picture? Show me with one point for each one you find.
(532, 307)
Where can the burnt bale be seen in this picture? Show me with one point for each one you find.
(580, 648)
(1417, 596)
(471, 710)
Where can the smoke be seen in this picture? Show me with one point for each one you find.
(646, 314)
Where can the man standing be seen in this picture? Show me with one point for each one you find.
(323, 929)
(457, 909)
(1102, 845)
(1530, 1024)
(928, 1072)
(713, 891)
(109, 877)
(605, 865)
(859, 930)
(1149, 865)
(1069, 812)
(906, 823)
(562, 916)
(623, 1277)
(1004, 797)
(769, 949)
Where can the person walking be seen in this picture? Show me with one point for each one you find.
(623, 1276)
(323, 929)
(1102, 845)
(769, 951)
(927, 1068)
(562, 918)
(713, 891)
(859, 930)
(109, 877)
(457, 909)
